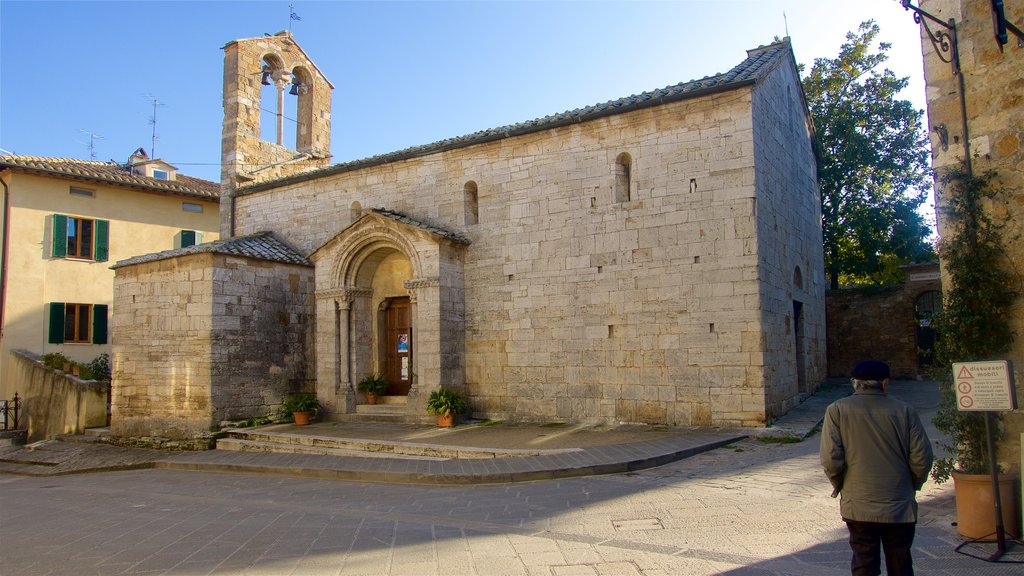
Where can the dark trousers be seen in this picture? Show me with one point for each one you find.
(867, 540)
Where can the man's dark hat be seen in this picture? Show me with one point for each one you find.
(870, 370)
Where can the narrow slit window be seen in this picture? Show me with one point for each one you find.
(623, 178)
(472, 210)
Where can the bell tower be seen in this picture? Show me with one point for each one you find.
(260, 75)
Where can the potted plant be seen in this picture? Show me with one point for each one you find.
(446, 404)
(972, 326)
(301, 406)
(372, 385)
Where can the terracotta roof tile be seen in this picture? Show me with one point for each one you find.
(261, 246)
(111, 173)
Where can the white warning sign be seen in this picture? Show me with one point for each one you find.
(984, 386)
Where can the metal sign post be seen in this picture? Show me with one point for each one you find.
(987, 387)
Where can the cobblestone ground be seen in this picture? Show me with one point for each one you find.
(752, 508)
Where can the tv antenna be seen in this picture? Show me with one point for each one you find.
(91, 144)
(152, 122)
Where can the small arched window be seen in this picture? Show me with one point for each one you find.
(355, 211)
(798, 278)
(471, 200)
(623, 178)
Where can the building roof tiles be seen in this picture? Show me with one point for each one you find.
(261, 246)
(111, 173)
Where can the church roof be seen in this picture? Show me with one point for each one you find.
(261, 246)
(757, 63)
(409, 221)
(112, 173)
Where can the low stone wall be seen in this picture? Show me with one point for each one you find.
(53, 402)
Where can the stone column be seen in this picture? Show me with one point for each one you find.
(333, 388)
(426, 334)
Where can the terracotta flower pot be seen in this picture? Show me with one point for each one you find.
(975, 506)
(371, 398)
(446, 420)
(302, 418)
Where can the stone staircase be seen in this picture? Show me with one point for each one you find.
(319, 442)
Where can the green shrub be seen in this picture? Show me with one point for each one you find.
(444, 401)
(99, 368)
(303, 402)
(373, 384)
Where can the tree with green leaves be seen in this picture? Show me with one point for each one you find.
(873, 163)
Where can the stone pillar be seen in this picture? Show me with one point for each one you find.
(426, 334)
(333, 385)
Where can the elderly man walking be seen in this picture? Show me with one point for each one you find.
(877, 455)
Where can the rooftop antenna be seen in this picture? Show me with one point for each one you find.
(785, 23)
(152, 122)
(91, 145)
(292, 16)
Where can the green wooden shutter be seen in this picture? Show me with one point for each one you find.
(102, 245)
(59, 240)
(56, 323)
(99, 324)
(188, 238)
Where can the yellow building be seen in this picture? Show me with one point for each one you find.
(64, 223)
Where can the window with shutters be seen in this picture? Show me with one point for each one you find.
(80, 238)
(78, 323)
(187, 238)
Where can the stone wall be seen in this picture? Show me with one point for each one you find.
(878, 323)
(787, 216)
(994, 84)
(246, 157)
(203, 338)
(579, 307)
(54, 402)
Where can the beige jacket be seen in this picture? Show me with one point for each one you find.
(876, 454)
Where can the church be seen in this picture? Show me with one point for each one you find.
(654, 259)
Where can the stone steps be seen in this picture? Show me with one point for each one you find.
(242, 445)
(240, 439)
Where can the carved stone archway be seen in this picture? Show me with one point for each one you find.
(346, 303)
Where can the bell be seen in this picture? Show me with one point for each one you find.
(265, 80)
(295, 89)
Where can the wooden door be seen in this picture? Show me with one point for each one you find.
(398, 346)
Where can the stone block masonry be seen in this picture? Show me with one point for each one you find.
(672, 302)
(203, 338)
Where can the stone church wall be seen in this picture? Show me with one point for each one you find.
(787, 217)
(206, 337)
(579, 307)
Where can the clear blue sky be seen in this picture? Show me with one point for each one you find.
(405, 73)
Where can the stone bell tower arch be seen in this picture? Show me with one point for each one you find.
(276, 62)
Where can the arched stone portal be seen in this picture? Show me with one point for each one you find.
(382, 262)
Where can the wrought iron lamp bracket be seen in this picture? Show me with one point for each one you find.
(944, 41)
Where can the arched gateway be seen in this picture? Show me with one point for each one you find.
(389, 300)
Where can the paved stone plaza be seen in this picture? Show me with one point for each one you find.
(753, 507)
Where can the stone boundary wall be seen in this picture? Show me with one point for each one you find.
(53, 402)
(876, 323)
